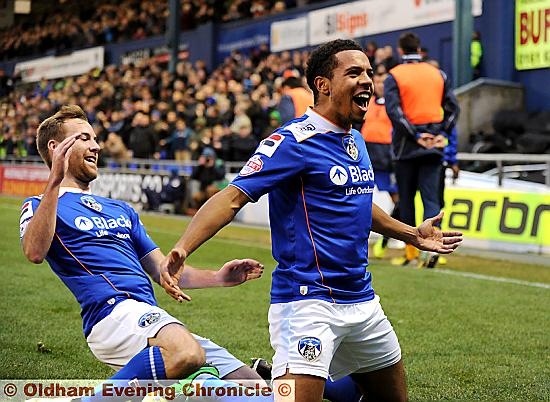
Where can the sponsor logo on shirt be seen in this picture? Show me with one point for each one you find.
(148, 319)
(90, 202)
(270, 144)
(340, 175)
(254, 165)
(310, 348)
(85, 223)
(350, 146)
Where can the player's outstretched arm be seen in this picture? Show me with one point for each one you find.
(217, 212)
(232, 273)
(151, 263)
(39, 233)
(426, 237)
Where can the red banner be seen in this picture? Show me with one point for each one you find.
(23, 181)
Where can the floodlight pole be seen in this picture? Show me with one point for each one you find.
(173, 33)
(463, 26)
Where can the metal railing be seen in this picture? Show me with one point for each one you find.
(529, 163)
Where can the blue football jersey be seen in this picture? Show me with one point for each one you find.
(320, 183)
(96, 250)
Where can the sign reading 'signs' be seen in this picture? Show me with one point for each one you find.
(369, 17)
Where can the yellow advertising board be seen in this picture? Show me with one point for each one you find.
(532, 34)
(499, 215)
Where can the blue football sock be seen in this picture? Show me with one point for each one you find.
(342, 390)
(146, 365)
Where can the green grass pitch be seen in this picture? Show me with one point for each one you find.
(463, 338)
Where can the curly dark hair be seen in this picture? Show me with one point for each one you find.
(322, 61)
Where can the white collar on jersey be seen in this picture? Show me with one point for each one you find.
(324, 124)
(315, 123)
(63, 190)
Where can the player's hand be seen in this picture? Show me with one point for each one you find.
(430, 238)
(426, 140)
(239, 271)
(60, 158)
(171, 269)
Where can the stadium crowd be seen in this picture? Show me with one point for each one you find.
(152, 113)
(73, 25)
(144, 111)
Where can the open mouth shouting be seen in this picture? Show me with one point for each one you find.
(361, 99)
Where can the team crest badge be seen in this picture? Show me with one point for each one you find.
(310, 348)
(90, 202)
(148, 319)
(351, 147)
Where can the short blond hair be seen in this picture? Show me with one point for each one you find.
(52, 129)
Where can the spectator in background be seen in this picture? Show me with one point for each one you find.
(274, 123)
(259, 112)
(173, 192)
(278, 7)
(295, 99)
(143, 142)
(476, 54)
(117, 124)
(8, 142)
(6, 84)
(390, 61)
(370, 51)
(179, 141)
(114, 147)
(29, 143)
(422, 108)
(241, 118)
(243, 143)
(208, 172)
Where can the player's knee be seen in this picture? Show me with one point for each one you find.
(188, 360)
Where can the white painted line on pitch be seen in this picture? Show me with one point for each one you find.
(493, 278)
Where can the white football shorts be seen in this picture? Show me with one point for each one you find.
(124, 333)
(324, 339)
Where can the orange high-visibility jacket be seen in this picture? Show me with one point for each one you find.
(301, 98)
(377, 126)
(421, 91)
